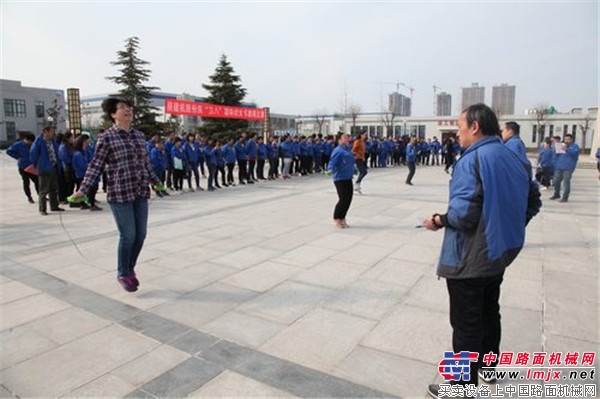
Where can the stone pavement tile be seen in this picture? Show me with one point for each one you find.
(337, 241)
(321, 339)
(305, 256)
(182, 379)
(185, 259)
(571, 318)
(368, 299)
(107, 386)
(330, 273)
(417, 254)
(263, 276)
(243, 329)
(430, 293)
(299, 380)
(522, 329)
(55, 259)
(3, 278)
(148, 295)
(198, 307)
(362, 254)
(6, 393)
(30, 308)
(154, 326)
(521, 293)
(401, 376)
(287, 241)
(13, 290)
(192, 277)
(232, 385)
(60, 371)
(150, 365)
(390, 237)
(570, 286)
(412, 332)
(77, 273)
(246, 257)
(525, 268)
(558, 343)
(394, 271)
(233, 243)
(95, 303)
(67, 325)
(194, 341)
(103, 284)
(21, 343)
(286, 303)
(586, 266)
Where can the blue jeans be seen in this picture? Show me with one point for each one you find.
(560, 177)
(132, 221)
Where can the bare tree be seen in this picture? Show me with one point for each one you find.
(354, 110)
(584, 128)
(387, 118)
(540, 113)
(320, 115)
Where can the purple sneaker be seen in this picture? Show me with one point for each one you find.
(127, 283)
(134, 279)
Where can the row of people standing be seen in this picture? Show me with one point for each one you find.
(55, 164)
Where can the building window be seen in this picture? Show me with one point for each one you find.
(14, 108)
(9, 107)
(534, 135)
(550, 132)
(11, 131)
(20, 109)
(39, 109)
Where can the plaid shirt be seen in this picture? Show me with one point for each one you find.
(127, 165)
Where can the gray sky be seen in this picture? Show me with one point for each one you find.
(300, 57)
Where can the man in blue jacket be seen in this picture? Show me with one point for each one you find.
(44, 157)
(512, 140)
(484, 232)
(567, 155)
(20, 151)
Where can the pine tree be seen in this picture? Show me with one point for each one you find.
(225, 89)
(132, 78)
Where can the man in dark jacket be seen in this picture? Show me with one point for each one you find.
(44, 157)
(484, 232)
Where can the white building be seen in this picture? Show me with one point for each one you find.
(378, 124)
(25, 110)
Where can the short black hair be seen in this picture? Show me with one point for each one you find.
(514, 126)
(485, 117)
(109, 106)
(569, 135)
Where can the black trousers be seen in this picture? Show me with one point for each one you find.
(260, 169)
(178, 175)
(48, 187)
(242, 177)
(251, 167)
(362, 170)
(475, 318)
(411, 172)
(230, 167)
(344, 192)
(193, 169)
(27, 177)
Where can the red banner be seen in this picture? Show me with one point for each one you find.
(180, 107)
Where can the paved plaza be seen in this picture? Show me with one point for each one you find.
(251, 292)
